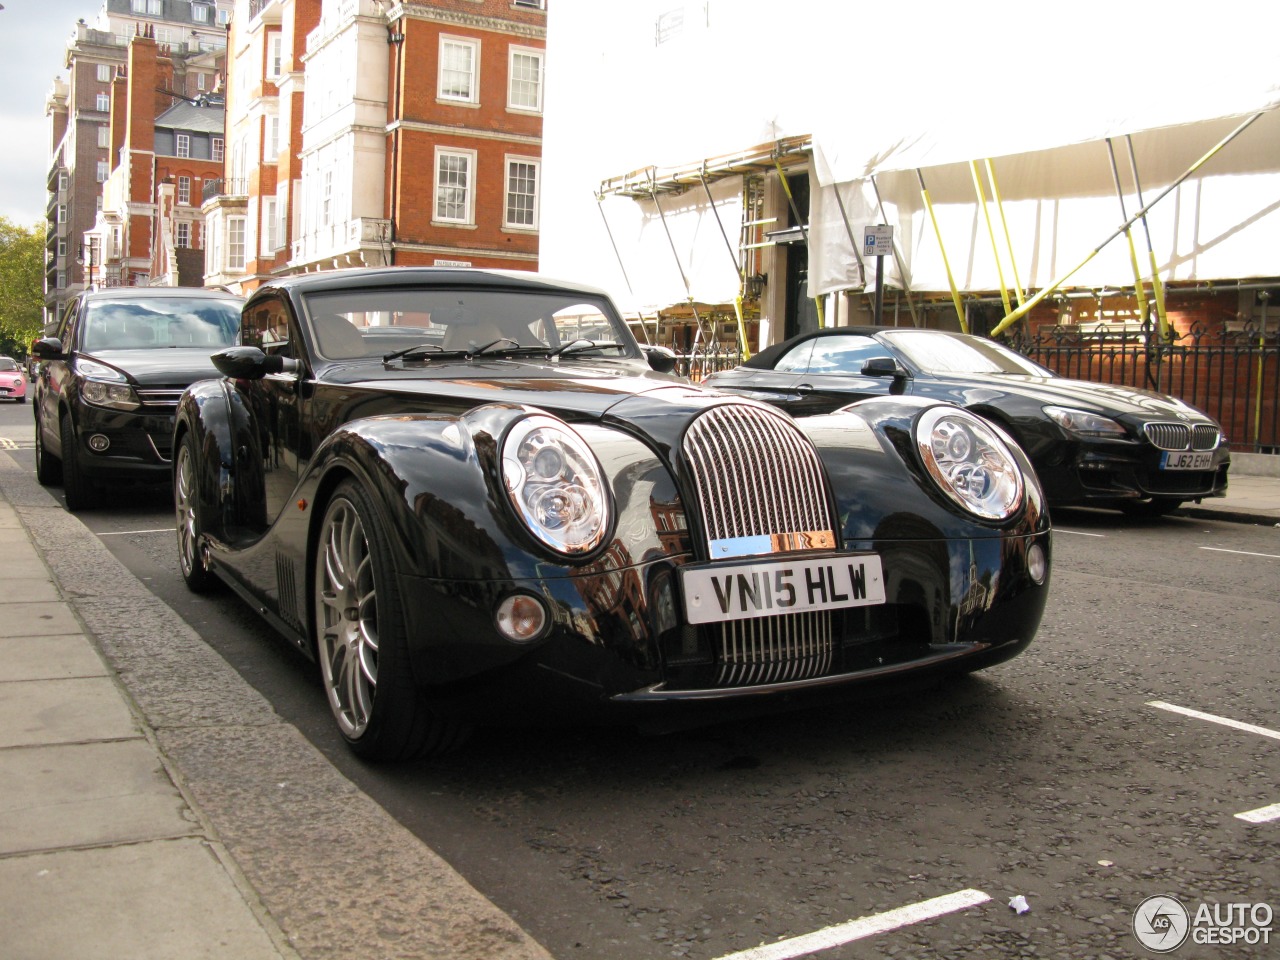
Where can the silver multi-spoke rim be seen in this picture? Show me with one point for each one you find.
(347, 618)
(185, 505)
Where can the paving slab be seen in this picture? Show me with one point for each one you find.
(87, 794)
(50, 658)
(80, 710)
(28, 589)
(149, 901)
(38, 620)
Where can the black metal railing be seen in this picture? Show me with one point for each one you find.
(1231, 374)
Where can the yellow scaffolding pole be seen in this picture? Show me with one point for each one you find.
(951, 280)
(1008, 241)
(795, 212)
(1138, 288)
(737, 266)
(1026, 308)
(995, 248)
(1157, 287)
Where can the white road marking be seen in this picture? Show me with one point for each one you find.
(862, 927)
(1078, 533)
(130, 533)
(1243, 553)
(1224, 721)
(1261, 815)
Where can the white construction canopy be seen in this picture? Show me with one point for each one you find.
(898, 93)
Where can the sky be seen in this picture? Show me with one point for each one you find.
(33, 43)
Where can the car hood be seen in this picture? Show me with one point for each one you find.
(1104, 398)
(166, 365)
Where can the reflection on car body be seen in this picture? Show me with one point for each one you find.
(1091, 443)
(467, 511)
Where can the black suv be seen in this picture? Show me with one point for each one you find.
(111, 377)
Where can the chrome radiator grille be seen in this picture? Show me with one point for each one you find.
(1182, 436)
(756, 474)
(163, 397)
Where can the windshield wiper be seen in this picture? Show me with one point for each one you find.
(582, 344)
(424, 348)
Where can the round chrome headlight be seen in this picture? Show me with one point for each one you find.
(969, 462)
(556, 485)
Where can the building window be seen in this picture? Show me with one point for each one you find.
(326, 199)
(62, 213)
(155, 8)
(104, 135)
(525, 89)
(64, 180)
(199, 81)
(104, 73)
(458, 59)
(184, 190)
(183, 238)
(182, 145)
(62, 246)
(453, 186)
(235, 243)
(531, 4)
(224, 17)
(103, 103)
(522, 194)
(102, 172)
(199, 13)
(138, 6)
(216, 146)
(270, 226)
(272, 150)
(275, 56)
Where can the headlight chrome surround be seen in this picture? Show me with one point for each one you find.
(969, 462)
(556, 485)
(1085, 424)
(105, 386)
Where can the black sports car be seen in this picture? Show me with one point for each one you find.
(472, 497)
(1091, 443)
(110, 378)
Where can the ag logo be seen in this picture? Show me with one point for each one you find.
(1161, 924)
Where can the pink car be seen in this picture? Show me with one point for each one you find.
(13, 381)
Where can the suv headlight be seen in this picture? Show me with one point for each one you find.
(556, 485)
(1085, 424)
(969, 462)
(105, 386)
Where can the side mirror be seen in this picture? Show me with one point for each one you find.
(883, 367)
(47, 348)
(660, 358)
(250, 363)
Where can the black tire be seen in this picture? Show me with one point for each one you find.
(48, 467)
(22, 399)
(1150, 508)
(361, 641)
(189, 523)
(80, 492)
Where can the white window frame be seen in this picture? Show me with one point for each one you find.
(155, 8)
(467, 187)
(104, 73)
(62, 213)
(182, 235)
(216, 148)
(184, 190)
(62, 246)
(182, 145)
(102, 171)
(271, 225)
(199, 13)
(449, 74)
(199, 81)
(514, 82)
(508, 193)
(271, 146)
(64, 180)
(532, 4)
(102, 103)
(138, 6)
(326, 198)
(275, 56)
(236, 231)
(104, 135)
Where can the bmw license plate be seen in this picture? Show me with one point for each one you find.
(766, 588)
(1186, 460)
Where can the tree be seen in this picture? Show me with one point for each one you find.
(21, 286)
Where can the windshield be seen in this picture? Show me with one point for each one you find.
(944, 353)
(377, 323)
(160, 322)
(6, 364)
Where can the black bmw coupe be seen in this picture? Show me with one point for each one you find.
(472, 497)
(1091, 443)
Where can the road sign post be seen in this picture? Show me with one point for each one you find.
(877, 241)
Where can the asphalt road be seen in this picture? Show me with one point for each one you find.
(1053, 777)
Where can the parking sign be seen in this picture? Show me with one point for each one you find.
(877, 240)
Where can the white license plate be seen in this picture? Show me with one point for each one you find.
(766, 588)
(1186, 460)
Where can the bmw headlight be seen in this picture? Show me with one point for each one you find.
(1085, 424)
(969, 462)
(105, 386)
(556, 485)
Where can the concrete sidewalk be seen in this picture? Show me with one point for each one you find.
(153, 805)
